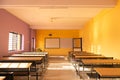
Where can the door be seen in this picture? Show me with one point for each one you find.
(77, 44)
(33, 44)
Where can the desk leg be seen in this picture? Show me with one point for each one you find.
(78, 69)
(37, 75)
(83, 66)
(91, 69)
(29, 73)
(37, 70)
(44, 63)
(75, 65)
(97, 76)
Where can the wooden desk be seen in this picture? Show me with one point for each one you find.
(44, 60)
(34, 60)
(86, 54)
(2, 77)
(44, 54)
(15, 67)
(72, 55)
(99, 62)
(20, 59)
(92, 57)
(28, 55)
(78, 59)
(107, 72)
(37, 53)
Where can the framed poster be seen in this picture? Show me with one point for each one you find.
(52, 43)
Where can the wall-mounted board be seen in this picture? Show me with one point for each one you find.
(52, 43)
(66, 43)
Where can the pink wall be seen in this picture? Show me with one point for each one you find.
(10, 23)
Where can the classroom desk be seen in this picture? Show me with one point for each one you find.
(2, 77)
(45, 54)
(107, 73)
(92, 57)
(72, 54)
(36, 53)
(79, 60)
(34, 60)
(42, 55)
(31, 55)
(21, 59)
(27, 55)
(15, 67)
(99, 62)
(86, 54)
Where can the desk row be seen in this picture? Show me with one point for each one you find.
(10, 65)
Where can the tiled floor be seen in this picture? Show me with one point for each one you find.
(60, 68)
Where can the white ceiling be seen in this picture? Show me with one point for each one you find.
(56, 14)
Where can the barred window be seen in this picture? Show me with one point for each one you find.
(15, 41)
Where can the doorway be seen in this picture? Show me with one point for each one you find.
(77, 44)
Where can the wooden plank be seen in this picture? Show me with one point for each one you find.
(108, 72)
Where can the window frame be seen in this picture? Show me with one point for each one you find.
(16, 42)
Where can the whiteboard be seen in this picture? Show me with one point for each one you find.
(66, 43)
(52, 43)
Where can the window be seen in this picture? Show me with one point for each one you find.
(15, 41)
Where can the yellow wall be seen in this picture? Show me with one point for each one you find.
(41, 34)
(101, 34)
